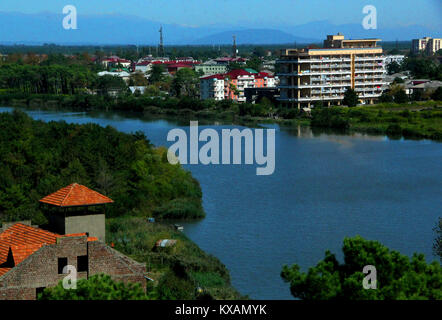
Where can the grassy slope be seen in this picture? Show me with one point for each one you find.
(136, 238)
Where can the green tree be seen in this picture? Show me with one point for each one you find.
(185, 83)
(235, 65)
(108, 82)
(398, 276)
(386, 97)
(254, 63)
(156, 73)
(173, 287)
(417, 95)
(437, 95)
(350, 98)
(138, 79)
(398, 80)
(400, 96)
(393, 67)
(97, 287)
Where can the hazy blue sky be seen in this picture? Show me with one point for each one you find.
(251, 12)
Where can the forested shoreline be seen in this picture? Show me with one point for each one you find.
(38, 158)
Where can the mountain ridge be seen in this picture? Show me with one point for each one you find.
(108, 29)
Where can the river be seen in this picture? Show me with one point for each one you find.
(325, 187)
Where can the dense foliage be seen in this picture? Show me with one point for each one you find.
(395, 120)
(178, 270)
(38, 158)
(53, 79)
(97, 287)
(419, 67)
(350, 98)
(398, 276)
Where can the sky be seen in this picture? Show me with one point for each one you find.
(254, 13)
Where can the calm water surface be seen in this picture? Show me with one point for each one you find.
(325, 187)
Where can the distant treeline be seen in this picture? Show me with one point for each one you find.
(38, 158)
(54, 79)
(196, 51)
(393, 120)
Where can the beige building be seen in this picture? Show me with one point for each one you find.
(427, 44)
(311, 75)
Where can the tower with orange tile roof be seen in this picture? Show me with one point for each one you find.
(77, 209)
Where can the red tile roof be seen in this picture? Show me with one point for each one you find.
(234, 74)
(75, 195)
(218, 76)
(179, 65)
(23, 240)
(4, 270)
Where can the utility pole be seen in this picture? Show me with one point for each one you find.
(234, 47)
(161, 48)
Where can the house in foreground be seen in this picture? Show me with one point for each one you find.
(32, 259)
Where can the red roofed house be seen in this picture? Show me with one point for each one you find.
(231, 85)
(32, 259)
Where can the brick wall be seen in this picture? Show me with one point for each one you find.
(41, 268)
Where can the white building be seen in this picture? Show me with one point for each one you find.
(212, 87)
(427, 44)
(398, 58)
(144, 66)
(122, 74)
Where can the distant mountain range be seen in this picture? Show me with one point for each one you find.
(19, 28)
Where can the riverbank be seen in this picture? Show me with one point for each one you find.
(179, 271)
(411, 121)
(38, 157)
(326, 186)
(414, 120)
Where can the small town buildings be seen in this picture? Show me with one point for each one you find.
(210, 67)
(421, 85)
(122, 74)
(427, 45)
(255, 95)
(115, 61)
(32, 258)
(228, 60)
(324, 74)
(231, 85)
(213, 87)
(171, 66)
(398, 58)
(143, 66)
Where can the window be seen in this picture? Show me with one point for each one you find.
(62, 262)
(82, 263)
(38, 291)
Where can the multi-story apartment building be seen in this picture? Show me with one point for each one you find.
(427, 44)
(212, 87)
(311, 75)
(231, 85)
